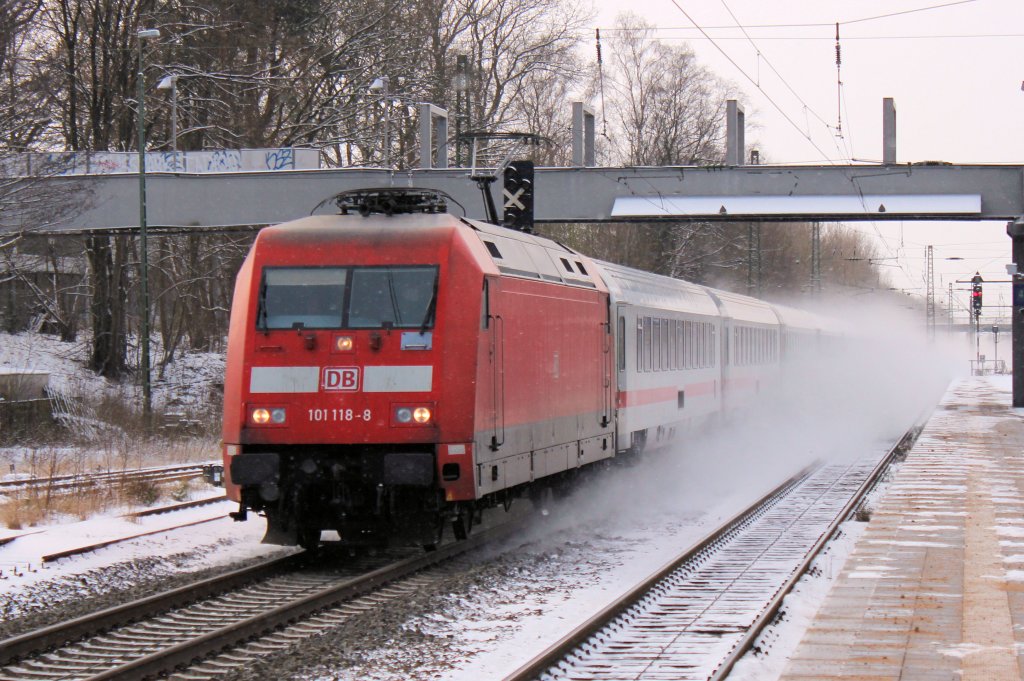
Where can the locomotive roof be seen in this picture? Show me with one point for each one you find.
(530, 256)
(326, 227)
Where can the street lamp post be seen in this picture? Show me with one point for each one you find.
(461, 83)
(381, 85)
(147, 396)
(171, 83)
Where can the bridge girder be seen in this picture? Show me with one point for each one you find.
(904, 192)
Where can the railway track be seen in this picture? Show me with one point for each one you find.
(695, 617)
(170, 631)
(74, 483)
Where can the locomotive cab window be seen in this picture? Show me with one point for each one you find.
(347, 297)
(401, 297)
(306, 297)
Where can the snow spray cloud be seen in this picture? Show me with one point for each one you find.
(857, 396)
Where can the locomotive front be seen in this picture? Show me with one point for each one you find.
(335, 416)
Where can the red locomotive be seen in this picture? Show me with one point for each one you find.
(389, 374)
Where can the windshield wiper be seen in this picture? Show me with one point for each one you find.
(394, 298)
(261, 310)
(428, 319)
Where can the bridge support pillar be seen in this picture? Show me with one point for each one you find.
(431, 116)
(734, 132)
(1016, 231)
(888, 131)
(583, 135)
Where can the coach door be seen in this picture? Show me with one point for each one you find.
(607, 371)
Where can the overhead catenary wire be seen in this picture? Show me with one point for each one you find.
(761, 56)
(748, 77)
(813, 24)
(822, 38)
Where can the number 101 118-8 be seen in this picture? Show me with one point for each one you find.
(339, 415)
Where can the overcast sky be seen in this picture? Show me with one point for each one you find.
(954, 69)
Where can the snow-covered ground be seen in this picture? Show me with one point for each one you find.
(184, 385)
(225, 541)
(624, 527)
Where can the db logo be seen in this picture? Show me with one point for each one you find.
(341, 378)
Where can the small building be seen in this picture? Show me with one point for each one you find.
(21, 385)
(25, 405)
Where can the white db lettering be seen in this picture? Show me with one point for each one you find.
(341, 378)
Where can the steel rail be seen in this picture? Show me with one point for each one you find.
(769, 613)
(134, 516)
(176, 507)
(186, 653)
(40, 640)
(558, 650)
(98, 474)
(567, 644)
(78, 480)
(78, 550)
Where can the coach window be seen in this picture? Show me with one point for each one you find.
(656, 349)
(647, 343)
(708, 349)
(667, 325)
(677, 345)
(698, 344)
(703, 345)
(639, 344)
(691, 339)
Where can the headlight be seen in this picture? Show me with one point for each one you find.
(274, 416)
(412, 415)
(343, 343)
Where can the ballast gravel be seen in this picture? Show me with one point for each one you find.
(58, 600)
(475, 603)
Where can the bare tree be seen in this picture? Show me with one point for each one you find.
(193, 281)
(50, 280)
(37, 276)
(667, 109)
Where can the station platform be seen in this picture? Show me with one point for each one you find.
(934, 588)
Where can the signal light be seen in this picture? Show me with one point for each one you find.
(976, 282)
(518, 196)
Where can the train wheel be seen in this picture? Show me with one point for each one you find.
(543, 498)
(438, 534)
(462, 523)
(309, 538)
